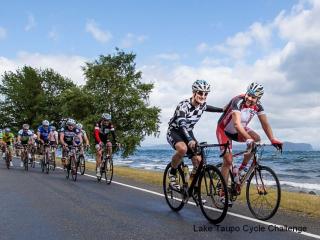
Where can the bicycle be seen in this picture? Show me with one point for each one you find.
(72, 163)
(45, 161)
(7, 157)
(24, 149)
(205, 188)
(53, 156)
(106, 166)
(261, 182)
(81, 160)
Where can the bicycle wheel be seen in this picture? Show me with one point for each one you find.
(7, 160)
(82, 165)
(108, 170)
(53, 159)
(25, 161)
(47, 163)
(174, 197)
(74, 168)
(212, 205)
(42, 164)
(263, 193)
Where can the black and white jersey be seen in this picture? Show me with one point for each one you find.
(186, 115)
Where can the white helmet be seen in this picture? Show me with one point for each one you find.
(45, 123)
(255, 89)
(201, 85)
(79, 126)
(71, 122)
(106, 116)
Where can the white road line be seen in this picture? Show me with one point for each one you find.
(229, 213)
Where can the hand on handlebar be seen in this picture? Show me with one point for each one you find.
(192, 145)
(277, 144)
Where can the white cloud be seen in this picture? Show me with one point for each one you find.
(131, 39)
(100, 35)
(169, 56)
(31, 23)
(289, 74)
(67, 66)
(3, 33)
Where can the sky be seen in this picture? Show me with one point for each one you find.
(228, 43)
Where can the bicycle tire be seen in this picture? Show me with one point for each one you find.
(68, 166)
(25, 161)
(74, 168)
(53, 159)
(108, 170)
(174, 198)
(42, 165)
(7, 160)
(82, 165)
(266, 176)
(211, 182)
(47, 163)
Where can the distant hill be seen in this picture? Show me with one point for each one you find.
(288, 146)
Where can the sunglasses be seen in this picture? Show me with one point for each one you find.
(202, 93)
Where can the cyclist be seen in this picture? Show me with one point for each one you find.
(8, 142)
(43, 134)
(68, 135)
(84, 138)
(102, 131)
(180, 132)
(53, 136)
(233, 125)
(25, 138)
(1, 143)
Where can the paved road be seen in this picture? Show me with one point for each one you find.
(39, 206)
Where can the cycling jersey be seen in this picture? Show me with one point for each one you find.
(226, 130)
(186, 116)
(70, 135)
(8, 138)
(25, 136)
(102, 132)
(44, 133)
(53, 136)
(237, 104)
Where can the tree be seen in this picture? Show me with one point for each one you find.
(30, 95)
(117, 89)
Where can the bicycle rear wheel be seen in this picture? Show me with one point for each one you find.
(263, 193)
(174, 197)
(74, 168)
(82, 165)
(47, 163)
(42, 164)
(108, 170)
(211, 184)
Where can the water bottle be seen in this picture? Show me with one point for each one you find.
(235, 172)
(186, 173)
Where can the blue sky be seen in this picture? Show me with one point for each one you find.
(168, 26)
(229, 43)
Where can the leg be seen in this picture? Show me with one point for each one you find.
(248, 155)
(181, 150)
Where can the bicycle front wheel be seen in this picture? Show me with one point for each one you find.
(7, 160)
(74, 168)
(263, 193)
(82, 165)
(213, 205)
(25, 161)
(108, 171)
(174, 197)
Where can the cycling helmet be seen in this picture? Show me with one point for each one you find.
(71, 122)
(45, 123)
(53, 128)
(201, 85)
(7, 130)
(25, 126)
(106, 116)
(79, 125)
(255, 89)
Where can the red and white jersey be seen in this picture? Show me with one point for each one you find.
(237, 104)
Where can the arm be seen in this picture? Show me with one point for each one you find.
(266, 126)
(96, 134)
(213, 109)
(62, 139)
